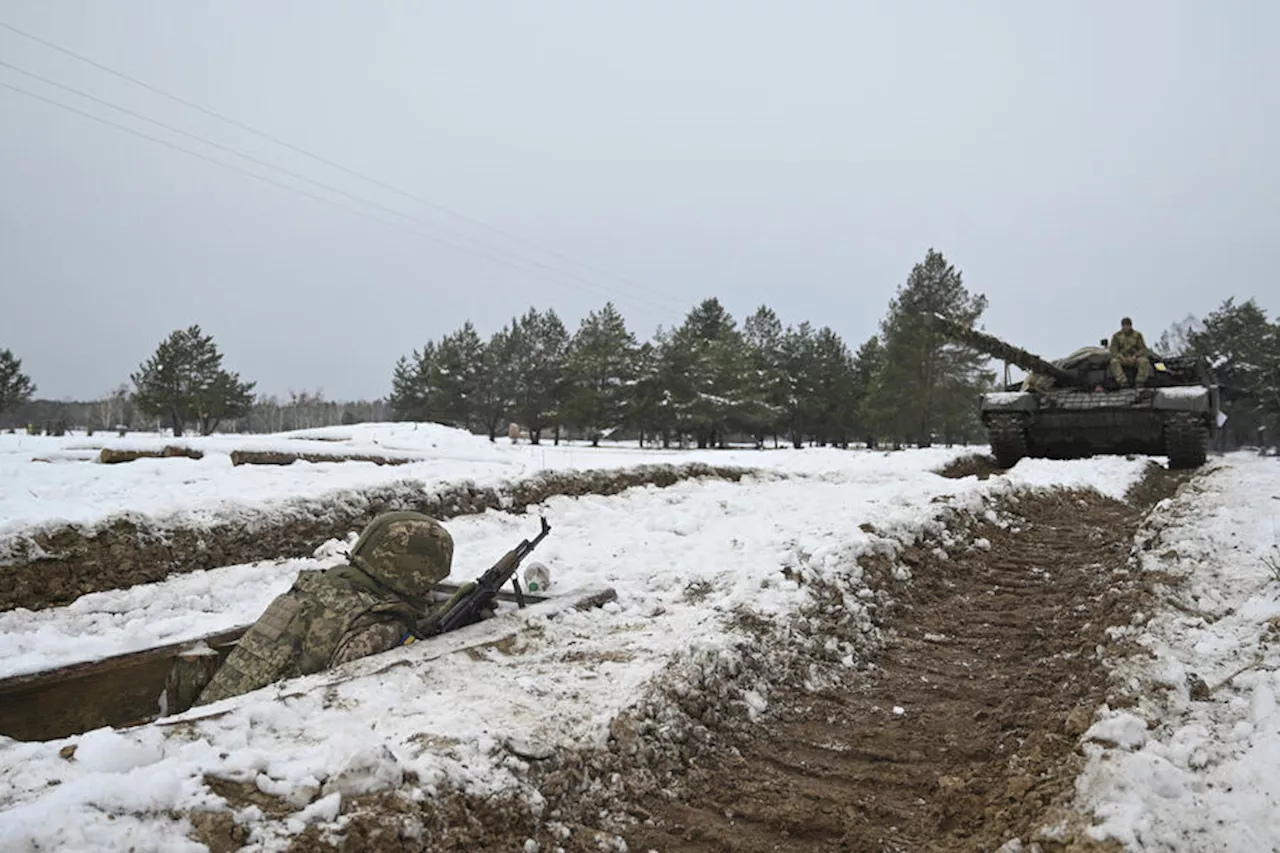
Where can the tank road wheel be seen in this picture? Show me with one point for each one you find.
(1186, 441)
(1008, 436)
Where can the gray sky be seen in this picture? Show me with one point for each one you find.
(1077, 161)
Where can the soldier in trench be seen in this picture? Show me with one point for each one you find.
(366, 606)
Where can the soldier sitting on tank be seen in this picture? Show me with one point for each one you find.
(329, 617)
(1129, 349)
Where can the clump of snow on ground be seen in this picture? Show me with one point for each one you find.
(1194, 765)
(684, 561)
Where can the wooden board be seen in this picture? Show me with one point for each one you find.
(125, 689)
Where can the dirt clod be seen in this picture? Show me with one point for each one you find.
(218, 831)
(980, 465)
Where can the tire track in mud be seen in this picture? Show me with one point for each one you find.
(964, 736)
(991, 652)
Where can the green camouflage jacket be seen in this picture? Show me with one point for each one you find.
(327, 618)
(1128, 344)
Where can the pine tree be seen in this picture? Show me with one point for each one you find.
(184, 382)
(543, 345)
(1241, 345)
(927, 378)
(411, 385)
(648, 400)
(710, 349)
(224, 398)
(798, 382)
(503, 358)
(767, 390)
(16, 387)
(672, 384)
(831, 406)
(600, 373)
(868, 364)
(1269, 386)
(459, 372)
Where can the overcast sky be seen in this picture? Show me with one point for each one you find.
(1075, 160)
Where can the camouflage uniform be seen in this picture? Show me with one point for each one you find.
(346, 612)
(1128, 349)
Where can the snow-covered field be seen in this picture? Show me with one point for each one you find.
(682, 559)
(66, 484)
(1184, 772)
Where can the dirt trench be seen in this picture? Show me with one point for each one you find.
(42, 567)
(960, 733)
(965, 736)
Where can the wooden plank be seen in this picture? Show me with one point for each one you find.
(122, 689)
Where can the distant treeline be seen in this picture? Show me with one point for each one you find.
(709, 381)
(301, 410)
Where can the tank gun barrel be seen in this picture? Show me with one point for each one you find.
(997, 348)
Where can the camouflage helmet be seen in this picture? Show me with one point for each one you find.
(407, 551)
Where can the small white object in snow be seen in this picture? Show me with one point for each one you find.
(537, 577)
(1121, 729)
(898, 710)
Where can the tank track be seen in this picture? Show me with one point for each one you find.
(1186, 441)
(1008, 435)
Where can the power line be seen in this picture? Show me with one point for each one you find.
(597, 289)
(318, 158)
(268, 180)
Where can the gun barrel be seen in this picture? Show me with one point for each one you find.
(997, 348)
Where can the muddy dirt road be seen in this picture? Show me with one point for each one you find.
(964, 737)
(960, 734)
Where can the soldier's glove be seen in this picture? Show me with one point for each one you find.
(463, 590)
(428, 624)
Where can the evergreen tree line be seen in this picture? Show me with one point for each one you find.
(710, 380)
(1243, 348)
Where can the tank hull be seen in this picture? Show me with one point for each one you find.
(1071, 424)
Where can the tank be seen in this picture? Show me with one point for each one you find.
(1073, 408)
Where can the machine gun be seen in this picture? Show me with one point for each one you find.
(473, 599)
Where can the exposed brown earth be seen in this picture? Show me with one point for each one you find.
(980, 465)
(108, 456)
(966, 736)
(992, 655)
